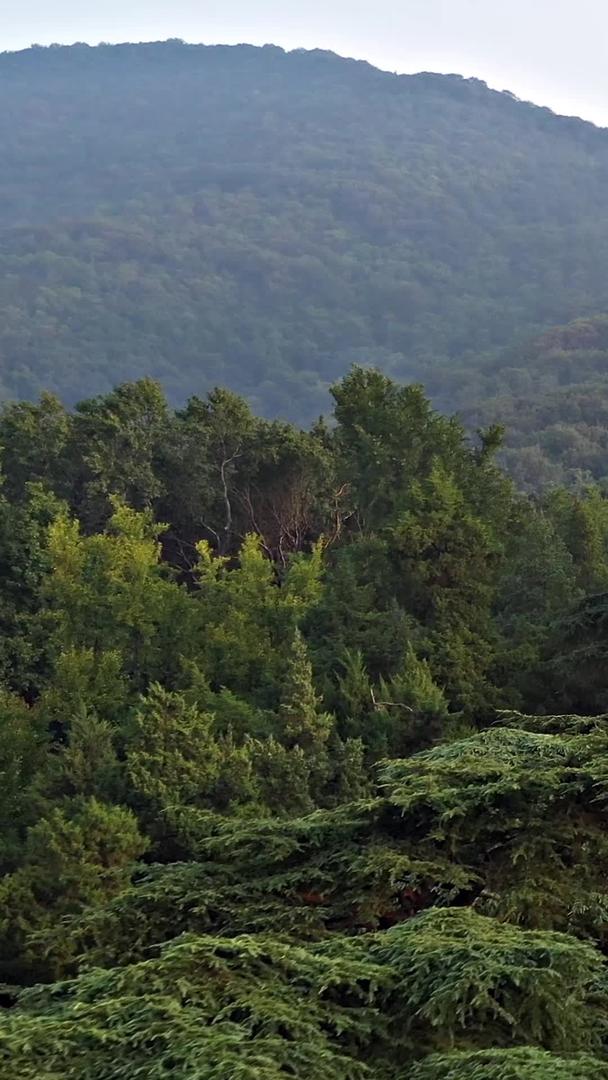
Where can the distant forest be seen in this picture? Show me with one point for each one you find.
(261, 220)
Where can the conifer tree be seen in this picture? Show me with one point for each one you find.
(78, 855)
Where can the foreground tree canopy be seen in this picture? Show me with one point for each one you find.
(303, 744)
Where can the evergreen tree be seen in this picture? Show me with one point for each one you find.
(76, 856)
(258, 813)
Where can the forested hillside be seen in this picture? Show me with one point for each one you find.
(303, 743)
(551, 395)
(259, 220)
(303, 723)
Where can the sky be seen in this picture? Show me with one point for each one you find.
(552, 52)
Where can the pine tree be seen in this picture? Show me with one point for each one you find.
(179, 771)
(78, 855)
(303, 723)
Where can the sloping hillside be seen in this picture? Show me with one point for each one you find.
(260, 219)
(552, 396)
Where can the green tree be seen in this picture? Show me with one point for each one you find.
(76, 856)
(177, 765)
(117, 441)
(34, 440)
(582, 524)
(111, 594)
(302, 721)
(27, 626)
(248, 614)
(24, 744)
(417, 706)
(210, 448)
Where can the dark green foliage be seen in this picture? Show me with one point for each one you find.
(511, 821)
(75, 857)
(464, 979)
(208, 1008)
(537, 797)
(524, 1064)
(574, 655)
(26, 629)
(261, 1006)
(259, 813)
(23, 755)
(174, 761)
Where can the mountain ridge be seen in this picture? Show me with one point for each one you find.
(298, 51)
(262, 219)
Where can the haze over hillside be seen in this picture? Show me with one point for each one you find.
(259, 219)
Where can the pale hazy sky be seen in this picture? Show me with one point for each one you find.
(553, 52)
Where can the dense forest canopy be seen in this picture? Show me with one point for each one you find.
(303, 722)
(261, 219)
(303, 744)
(551, 395)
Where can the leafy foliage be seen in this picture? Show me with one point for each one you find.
(297, 798)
